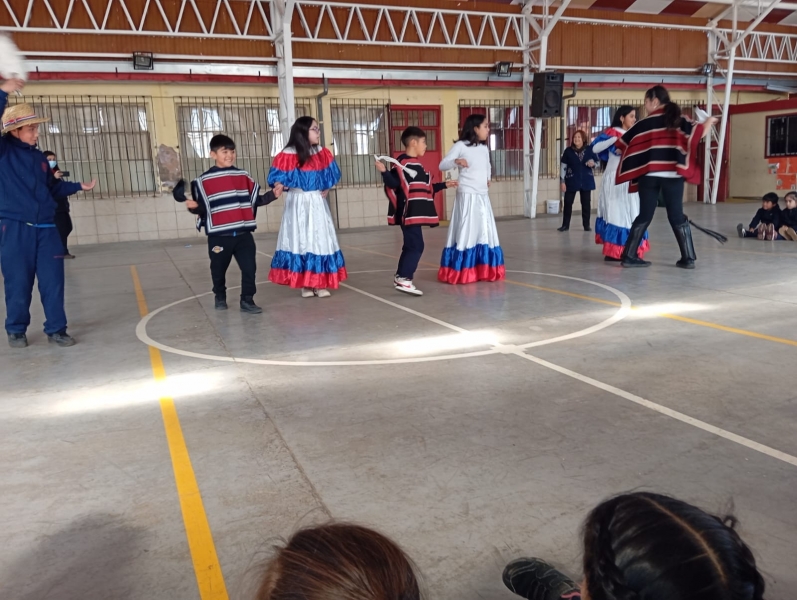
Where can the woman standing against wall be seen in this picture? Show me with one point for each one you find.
(577, 163)
(659, 154)
(617, 207)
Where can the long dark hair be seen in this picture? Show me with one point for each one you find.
(339, 561)
(621, 113)
(468, 133)
(300, 139)
(646, 545)
(672, 112)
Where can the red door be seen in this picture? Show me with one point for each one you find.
(428, 119)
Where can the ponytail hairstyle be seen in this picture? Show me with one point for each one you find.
(646, 545)
(299, 139)
(672, 112)
(621, 113)
(339, 560)
(468, 133)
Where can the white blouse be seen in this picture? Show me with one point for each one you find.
(474, 178)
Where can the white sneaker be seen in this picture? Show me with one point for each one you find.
(405, 285)
(307, 293)
(322, 293)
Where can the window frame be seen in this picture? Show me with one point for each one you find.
(767, 138)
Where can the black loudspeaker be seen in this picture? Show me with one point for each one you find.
(546, 95)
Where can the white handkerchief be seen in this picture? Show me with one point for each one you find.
(700, 115)
(411, 172)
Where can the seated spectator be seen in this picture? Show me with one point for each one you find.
(766, 222)
(341, 562)
(788, 223)
(652, 547)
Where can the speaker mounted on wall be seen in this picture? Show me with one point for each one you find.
(546, 95)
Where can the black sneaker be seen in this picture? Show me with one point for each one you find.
(248, 306)
(535, 579)
(221, 303)
(17, 340)
(563, 228)
(62, 338)
(685, 263)
(740, 230)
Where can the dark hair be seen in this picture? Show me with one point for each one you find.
(770, 197)
(412, 133)
(620, 113)
(299, 139)
(672, 112)
(468, 133)
(646, 545)
(584, 138)
(48, 153)
(339, 561)
(217, 142)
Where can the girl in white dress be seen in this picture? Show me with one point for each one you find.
(472, 252)
(617, 208)
(308, 256)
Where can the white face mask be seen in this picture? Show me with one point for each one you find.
(52, 163)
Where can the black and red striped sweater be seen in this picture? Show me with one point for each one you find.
(411, 197)
(651, 147)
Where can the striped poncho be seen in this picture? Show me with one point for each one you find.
(650, 147)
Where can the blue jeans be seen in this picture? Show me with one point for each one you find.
(26, 253)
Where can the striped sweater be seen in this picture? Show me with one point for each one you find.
(229, 197)
(411, 197)
(650, 147)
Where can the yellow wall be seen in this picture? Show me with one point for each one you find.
(749, 168)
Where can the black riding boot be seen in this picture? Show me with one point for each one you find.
(630, 256)
(683, 233)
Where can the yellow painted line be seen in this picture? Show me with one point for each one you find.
(709, 324)
(207, 569)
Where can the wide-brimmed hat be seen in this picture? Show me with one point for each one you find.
(20, 115)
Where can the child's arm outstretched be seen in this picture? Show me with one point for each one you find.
(389, 177)
(439, 187)
(269, 197)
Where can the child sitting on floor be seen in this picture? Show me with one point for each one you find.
(225, 200)
(766, 222)
(788, 223)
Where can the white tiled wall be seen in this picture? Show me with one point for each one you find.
(130, 219)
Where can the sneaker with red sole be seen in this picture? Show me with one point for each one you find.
(402, 284)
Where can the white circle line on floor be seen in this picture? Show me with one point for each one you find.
(621, 313)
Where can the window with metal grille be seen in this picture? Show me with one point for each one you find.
(359, 130)
(104, 137)
(252, 123)
(782, 135)
(506, 135)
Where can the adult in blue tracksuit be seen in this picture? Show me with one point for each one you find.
(577, 163)
(29, 242)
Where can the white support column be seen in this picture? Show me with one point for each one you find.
(725, 105)
(282, 16)
(708, 168)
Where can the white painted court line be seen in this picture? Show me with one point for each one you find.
(679, 416)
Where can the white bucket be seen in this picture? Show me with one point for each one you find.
(553, 207)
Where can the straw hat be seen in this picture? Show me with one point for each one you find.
(20, 115)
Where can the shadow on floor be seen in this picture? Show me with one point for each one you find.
(91, 558)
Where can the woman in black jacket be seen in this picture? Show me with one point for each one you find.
(63, 221)
(577, 163)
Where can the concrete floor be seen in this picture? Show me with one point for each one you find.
(467, 462)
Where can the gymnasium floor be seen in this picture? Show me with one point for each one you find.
(474, 425)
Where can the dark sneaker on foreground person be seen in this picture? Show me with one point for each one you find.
(535, 579)
(62, 339)
(17, 340)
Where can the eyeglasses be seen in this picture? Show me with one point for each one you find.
(316, 129)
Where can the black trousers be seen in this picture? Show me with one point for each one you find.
(63, 223)
(671, 190)
(411, 251)
(222, 249)
(570, 197)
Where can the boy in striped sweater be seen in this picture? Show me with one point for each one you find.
(225, 200)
